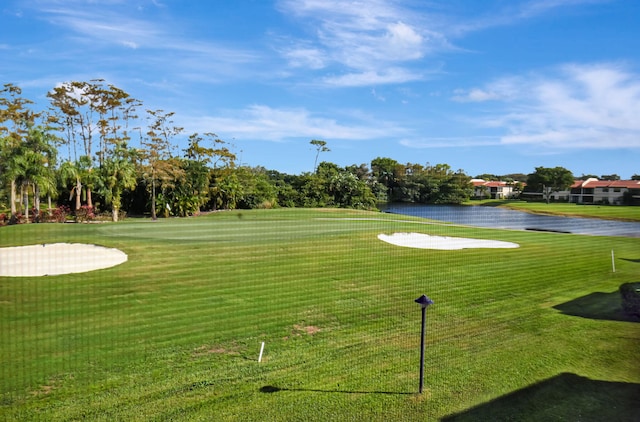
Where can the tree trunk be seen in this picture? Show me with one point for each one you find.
(547, 193)
(25, 198)
(78, 193)
(89, 199)
(36, 202)
(153, 199)
(114, 214)
(14, 211)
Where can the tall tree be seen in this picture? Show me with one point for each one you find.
(159, 165)
(118, 173)
(94, 117)
(198, 177)
(71, 174)
(547, 180)
(385, 172)
(321, 146)
(75, 105)
(40, 150)
(116, 110)
(15, 120)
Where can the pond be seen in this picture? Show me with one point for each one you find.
(502, 218)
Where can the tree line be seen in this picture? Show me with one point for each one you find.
(97, 149)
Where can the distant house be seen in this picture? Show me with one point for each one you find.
(483, 189)
(594, 191)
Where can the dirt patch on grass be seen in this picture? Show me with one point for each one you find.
(302, 329)
(205, 350)
(52, 385)
(299, 329)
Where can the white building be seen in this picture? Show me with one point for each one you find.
(594, 191)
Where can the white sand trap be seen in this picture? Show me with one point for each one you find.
(56, 259)
(425, 241)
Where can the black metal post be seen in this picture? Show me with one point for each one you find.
(424, 319)
(423, 301)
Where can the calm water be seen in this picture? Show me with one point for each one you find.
(509, 219)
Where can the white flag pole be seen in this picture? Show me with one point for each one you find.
(613, 262)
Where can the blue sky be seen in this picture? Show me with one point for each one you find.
(492, 86)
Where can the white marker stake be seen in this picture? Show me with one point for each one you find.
(613, 262)
(261, 350)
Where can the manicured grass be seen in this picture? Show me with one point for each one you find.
(533, 333)
(610, 212)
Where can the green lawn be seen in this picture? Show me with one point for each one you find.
(610, 212)
(533, 333)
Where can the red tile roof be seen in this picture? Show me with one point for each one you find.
(592, 183)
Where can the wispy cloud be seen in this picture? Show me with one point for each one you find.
(375, 42)
(468, 20)
(149, 35)
(373, 77)
(281, 124)
(365, 43)
(578, 106)
(533, 8)
(104, 25)
(504, 89)
(450, 142)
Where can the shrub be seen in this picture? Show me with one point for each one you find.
(85, 213)
(59, 215)
(630, 293)
(16, 219)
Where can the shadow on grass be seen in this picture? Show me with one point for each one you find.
(274, 389)
(565, 397)
(631, 260)
(605, 306)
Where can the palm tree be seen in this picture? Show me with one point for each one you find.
(118, 173)
(13, 167)
(41, 155)
(29, 165)
(70, 173)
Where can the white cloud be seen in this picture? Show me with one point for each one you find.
(579, 106)
(475, 95)
(309, 57)
(471, 19)
(156, 40)
(450, 142)
(534, 8)
(277, 125)
(373, 77)
(103, 25)
(372, 42)
(403, 42)
(385, 41)
(504, 89)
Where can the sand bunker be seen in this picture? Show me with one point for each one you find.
(56, 259)
(425, 241)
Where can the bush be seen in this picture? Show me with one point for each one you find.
(85, 213)
(59, 215)
(630, 293)
(17, 218)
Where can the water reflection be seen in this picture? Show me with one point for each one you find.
(516, 220)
